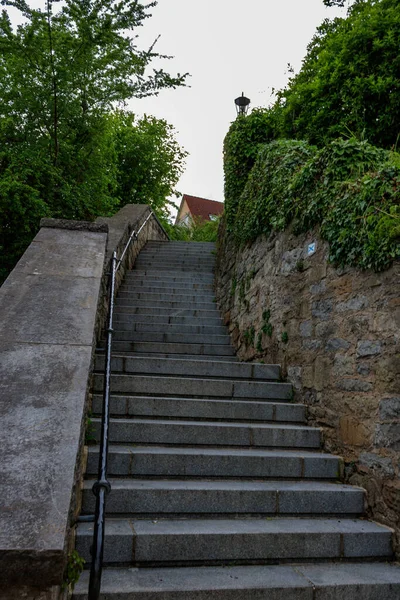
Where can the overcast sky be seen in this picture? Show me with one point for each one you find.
(228, 47)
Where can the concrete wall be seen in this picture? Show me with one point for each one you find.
(51, 309)
(336, 334)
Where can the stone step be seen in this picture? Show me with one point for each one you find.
(162, 304)
(197, 368)
(143, 285)
(171, 338)
(201, 497)
(124, 325)
(230, 410)
(164, 320)
(169, 278)
(181, 356)
(179, 349)
(240, 541)
(177, 255)
(209, 433)
(181, 386)
(187, 264)
(170, 461)
(180, 312)
(165, 268)
(340, 581)
(171, 296)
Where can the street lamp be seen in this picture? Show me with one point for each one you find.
(242, 104)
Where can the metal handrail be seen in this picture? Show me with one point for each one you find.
(101, 488)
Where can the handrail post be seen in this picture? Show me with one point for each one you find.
(102, 487)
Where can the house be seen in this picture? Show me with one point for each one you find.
(193, 208)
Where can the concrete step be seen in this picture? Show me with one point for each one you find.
(170, 461)
(206, 388)
(169, 278)
(188, 264)
(180, 349)
(171, 338)
(341, 581)
(209, 433)
(143, 285)
(171, 296)
(178, 257)
(232, 497)
(240, 541)
(196, 368)
(161, 320)
(162, 304)
(124, 325)
(230, 410)
(181, 356)
(170, 313)
(168, 268)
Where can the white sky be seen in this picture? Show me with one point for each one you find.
(228, 47)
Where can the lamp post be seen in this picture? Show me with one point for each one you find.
(242, 104)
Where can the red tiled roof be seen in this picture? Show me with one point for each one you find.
(201, 207)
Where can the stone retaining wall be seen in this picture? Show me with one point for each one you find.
(336, 334)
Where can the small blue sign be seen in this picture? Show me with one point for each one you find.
(311, 248)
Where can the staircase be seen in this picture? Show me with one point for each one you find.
(219, 489)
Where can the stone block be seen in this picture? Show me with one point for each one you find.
(324, 329)
(381, 465)
(389, 409)
(354, 385)
(322, 372)
(387, 435)
(322, 309)
(356, 303)
(306, 329)
(369, 348)
(353, 432)
(343, 365)
(311, 344)
(318, 288)
(363, 369)
(334, 344)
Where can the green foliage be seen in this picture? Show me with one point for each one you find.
(285, 337)
(89, 431)
(249, 335)
(349, 188)
(263, 203)
(205, 231)
(149, 159)
(199, 231)
(62, 73)
(73, 570)
(349, 81)
(259, 346)
(266, 326)
(240, 152)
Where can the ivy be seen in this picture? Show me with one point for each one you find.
(349, 188)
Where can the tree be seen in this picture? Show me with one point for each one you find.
(349, 81)
(61, 73)
(150, 160)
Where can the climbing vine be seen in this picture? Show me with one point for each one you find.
(349, 188)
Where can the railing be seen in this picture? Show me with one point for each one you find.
(101, 488)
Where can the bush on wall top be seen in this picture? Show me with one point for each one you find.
(350, 188)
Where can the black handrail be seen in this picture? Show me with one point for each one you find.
(102, 487)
